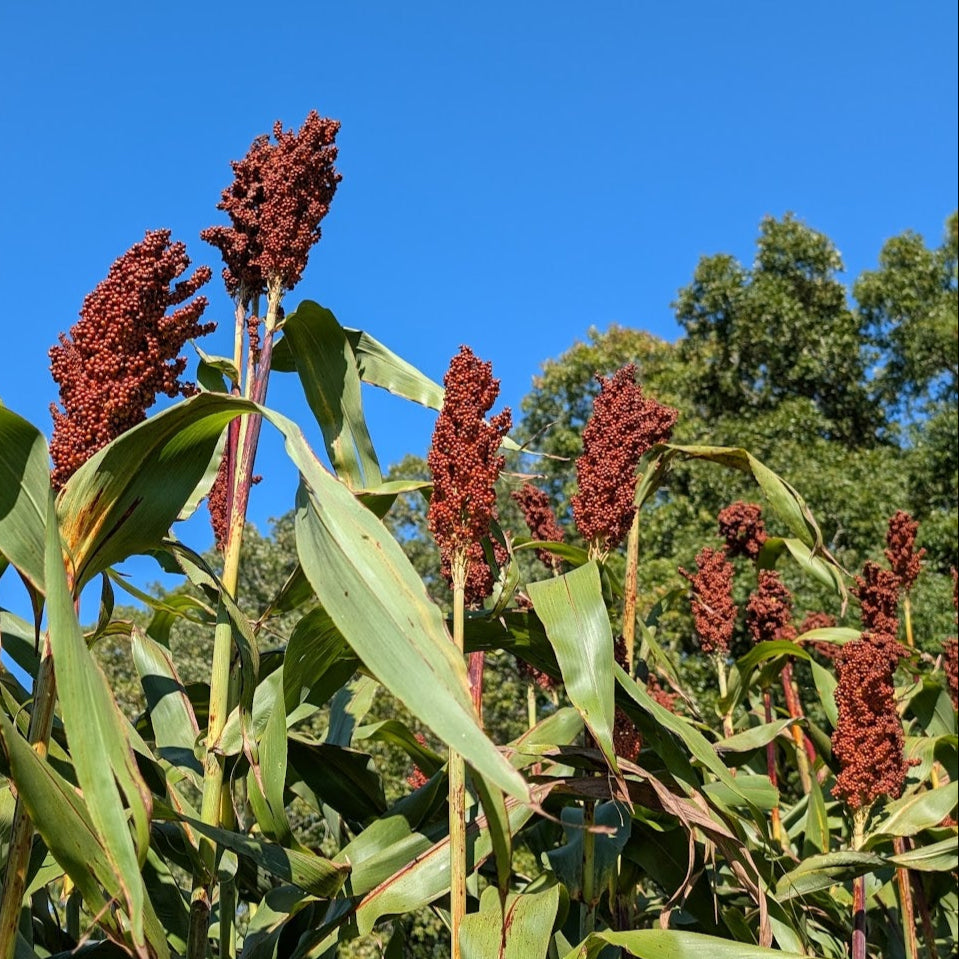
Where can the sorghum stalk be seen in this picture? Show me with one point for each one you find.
(630, 588)
(21, 834)
(719, 659)
(590, 899)
(859, 889)
(457, 781)
(805, 751)
(281, 192)
(775, 819)
(906, 909)
(464, 462)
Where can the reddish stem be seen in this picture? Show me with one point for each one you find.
(859, 918)
(771, 765)
(476, 663)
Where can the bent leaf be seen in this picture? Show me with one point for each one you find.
(572, 610)
(24, 481)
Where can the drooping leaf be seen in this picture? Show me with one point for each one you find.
(754, 738)
(123, 500)
(942, 856)
(379, 604)
(821, 872)
(328, 373)
(673, 944)
(24, 481)
(175, 728)
(917, 811)
(574, 613)
(105, 765)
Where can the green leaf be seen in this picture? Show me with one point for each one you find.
(428, 876)
(520, 931)
(762, 652)
(816, 833)
(314, 874)
(318, 660)
(379, 604)
(124, 499)
(175, 728)
(96, 730)
(567, 860)
(942, 856)
(24, 481)
(328, 373)
(673, 944)
(572, 609)
(826, 688)
(755, 791)
(932, 706)
(821, 872)
(695, 742)
(266, 782)
(917, 811)
(754, 738)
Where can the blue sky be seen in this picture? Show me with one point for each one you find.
(513, 172)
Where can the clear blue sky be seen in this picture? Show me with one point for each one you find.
(513, 172)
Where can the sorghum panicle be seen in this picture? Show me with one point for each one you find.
(541, 521)
(878, 592)
(868, 739)
(661, 695)
(950, 663)
(741, 525)
(280, 193)
(464, 462)
(623, 426)
(769, 611)
(124, 350)
(901, 552)
(714, 612)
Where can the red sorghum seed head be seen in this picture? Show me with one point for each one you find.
(741, 525)
(950, 663)
(663, 696)
(417, 778)
(541, 521)
(627, 739)
(868, 739)
(901, 552)
(124, 350)
(464, 462)
(878, 592)
(280, 193)
(769, 612)
(623, 426)
(714, 611)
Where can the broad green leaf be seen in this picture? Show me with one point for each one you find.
(696, 743)
(24, 481)
(18, 640)
(64, 822)
(328, 373)
(788, 505)
(917, 811)
(428, 876)
(816, 832)
(754, 738)
(266, 782)
(942, 856)
(175, 728)
(96, 730)
(314, 874)
(829, 574)
(762, 652)
(932, 706)
(379, 604)
(124, 499)
(826, 688)
(520, 931)
(493, 803)
(381, 367)
(567, 860)
(821, 872)
(673, 944)
(572, 609)
(318, 660)
(398, 734)
(757, 790)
